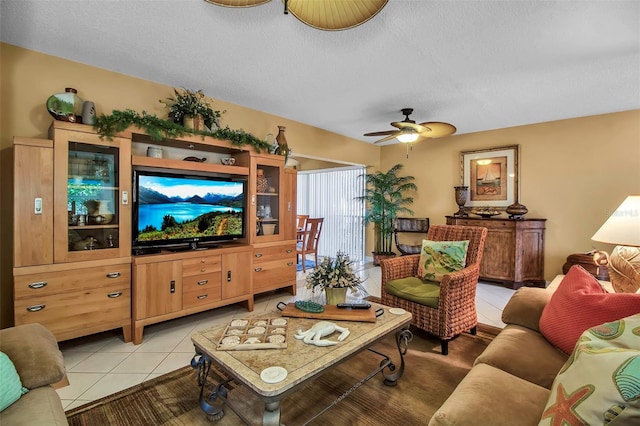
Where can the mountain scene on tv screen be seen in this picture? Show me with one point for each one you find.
(165, 217)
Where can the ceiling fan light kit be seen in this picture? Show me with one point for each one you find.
(409, 131)
(329, 15)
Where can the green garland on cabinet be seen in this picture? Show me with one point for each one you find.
(108, 126)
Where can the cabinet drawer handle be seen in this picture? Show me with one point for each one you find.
(35, 308)
(113, 274)
(114, 294)
(258, 269)
(289, 250)
(172, 286)
(38, 284)
(203, 296)
(228, 276)
(203, 282)
(203, 270)
(258, 255)
(203, 260)
(290, 263)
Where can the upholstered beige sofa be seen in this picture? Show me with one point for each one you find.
(39, 363)
(510, 381)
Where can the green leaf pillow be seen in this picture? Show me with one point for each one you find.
(439, 258)
(11, 388)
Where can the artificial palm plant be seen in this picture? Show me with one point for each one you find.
(385, 199)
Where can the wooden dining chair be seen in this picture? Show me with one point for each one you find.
(301, 225)
(309, 243)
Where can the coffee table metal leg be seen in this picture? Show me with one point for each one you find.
(402, 340)
(271, 415)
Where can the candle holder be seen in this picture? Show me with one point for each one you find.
(462, 192)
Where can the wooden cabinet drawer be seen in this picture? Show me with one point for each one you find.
(71, 280)
(272, 274)
(201, 265)
(201, 296)
(69, 311)
(276, 252)
(198, 282)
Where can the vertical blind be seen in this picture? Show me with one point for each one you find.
(331, 194)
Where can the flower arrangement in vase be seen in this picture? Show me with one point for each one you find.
(335, 274)
(189, 104)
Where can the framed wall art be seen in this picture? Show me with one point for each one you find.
(491, 175)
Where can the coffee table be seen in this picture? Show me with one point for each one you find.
(302, 361)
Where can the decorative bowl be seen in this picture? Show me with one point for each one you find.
(486, 213)
(228, 161)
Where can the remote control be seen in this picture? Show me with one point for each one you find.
(354, 305)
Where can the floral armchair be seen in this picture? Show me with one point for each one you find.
(455, 310)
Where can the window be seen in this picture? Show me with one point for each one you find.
(331, 194)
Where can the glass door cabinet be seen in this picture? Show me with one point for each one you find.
(266, 201)
(92, 183)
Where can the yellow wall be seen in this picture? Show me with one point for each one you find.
(573, 172)
(28, 78)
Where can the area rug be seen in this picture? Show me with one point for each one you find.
(308, 265)
(429, 379)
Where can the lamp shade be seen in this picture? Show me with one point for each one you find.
(623, 227)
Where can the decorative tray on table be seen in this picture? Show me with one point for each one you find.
(254, 333)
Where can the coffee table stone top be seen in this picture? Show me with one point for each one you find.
(302, 361)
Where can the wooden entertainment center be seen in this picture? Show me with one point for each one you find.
(74, 271)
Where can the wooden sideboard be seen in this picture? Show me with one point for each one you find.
(513, 252)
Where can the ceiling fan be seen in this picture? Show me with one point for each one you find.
(410, 131)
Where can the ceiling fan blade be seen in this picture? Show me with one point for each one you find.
(386, 132)
(419, 128)
(388, 138)
(436, 129)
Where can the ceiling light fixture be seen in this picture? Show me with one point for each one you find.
(321, 14)
(408, 136)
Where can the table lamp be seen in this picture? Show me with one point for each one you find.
(623, 229)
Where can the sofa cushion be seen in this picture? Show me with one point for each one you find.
(600, 383)
(525, 307)
(580, 303)
(34, 351)
(11, 388)
(414, 289)
(524, 353)
(39, 407)
(438, 258)
(489, 396)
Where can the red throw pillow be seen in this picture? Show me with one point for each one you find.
(580, 303)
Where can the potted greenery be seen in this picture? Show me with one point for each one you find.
(385, 199)
(190, 105)
(334, 277)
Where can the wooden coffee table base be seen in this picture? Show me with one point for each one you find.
(213, 401)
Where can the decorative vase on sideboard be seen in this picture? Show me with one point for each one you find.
(462, 193)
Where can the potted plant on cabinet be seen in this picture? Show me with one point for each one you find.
(190, 108)
(385, 199)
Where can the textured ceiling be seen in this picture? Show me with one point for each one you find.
(479, 65)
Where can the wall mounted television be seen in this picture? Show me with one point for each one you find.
(176, 210)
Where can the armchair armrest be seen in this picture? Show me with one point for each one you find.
(33, 349)
(458, 289)
(398, 267)
(525, 307)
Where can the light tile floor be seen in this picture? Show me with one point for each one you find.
(103, 364)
